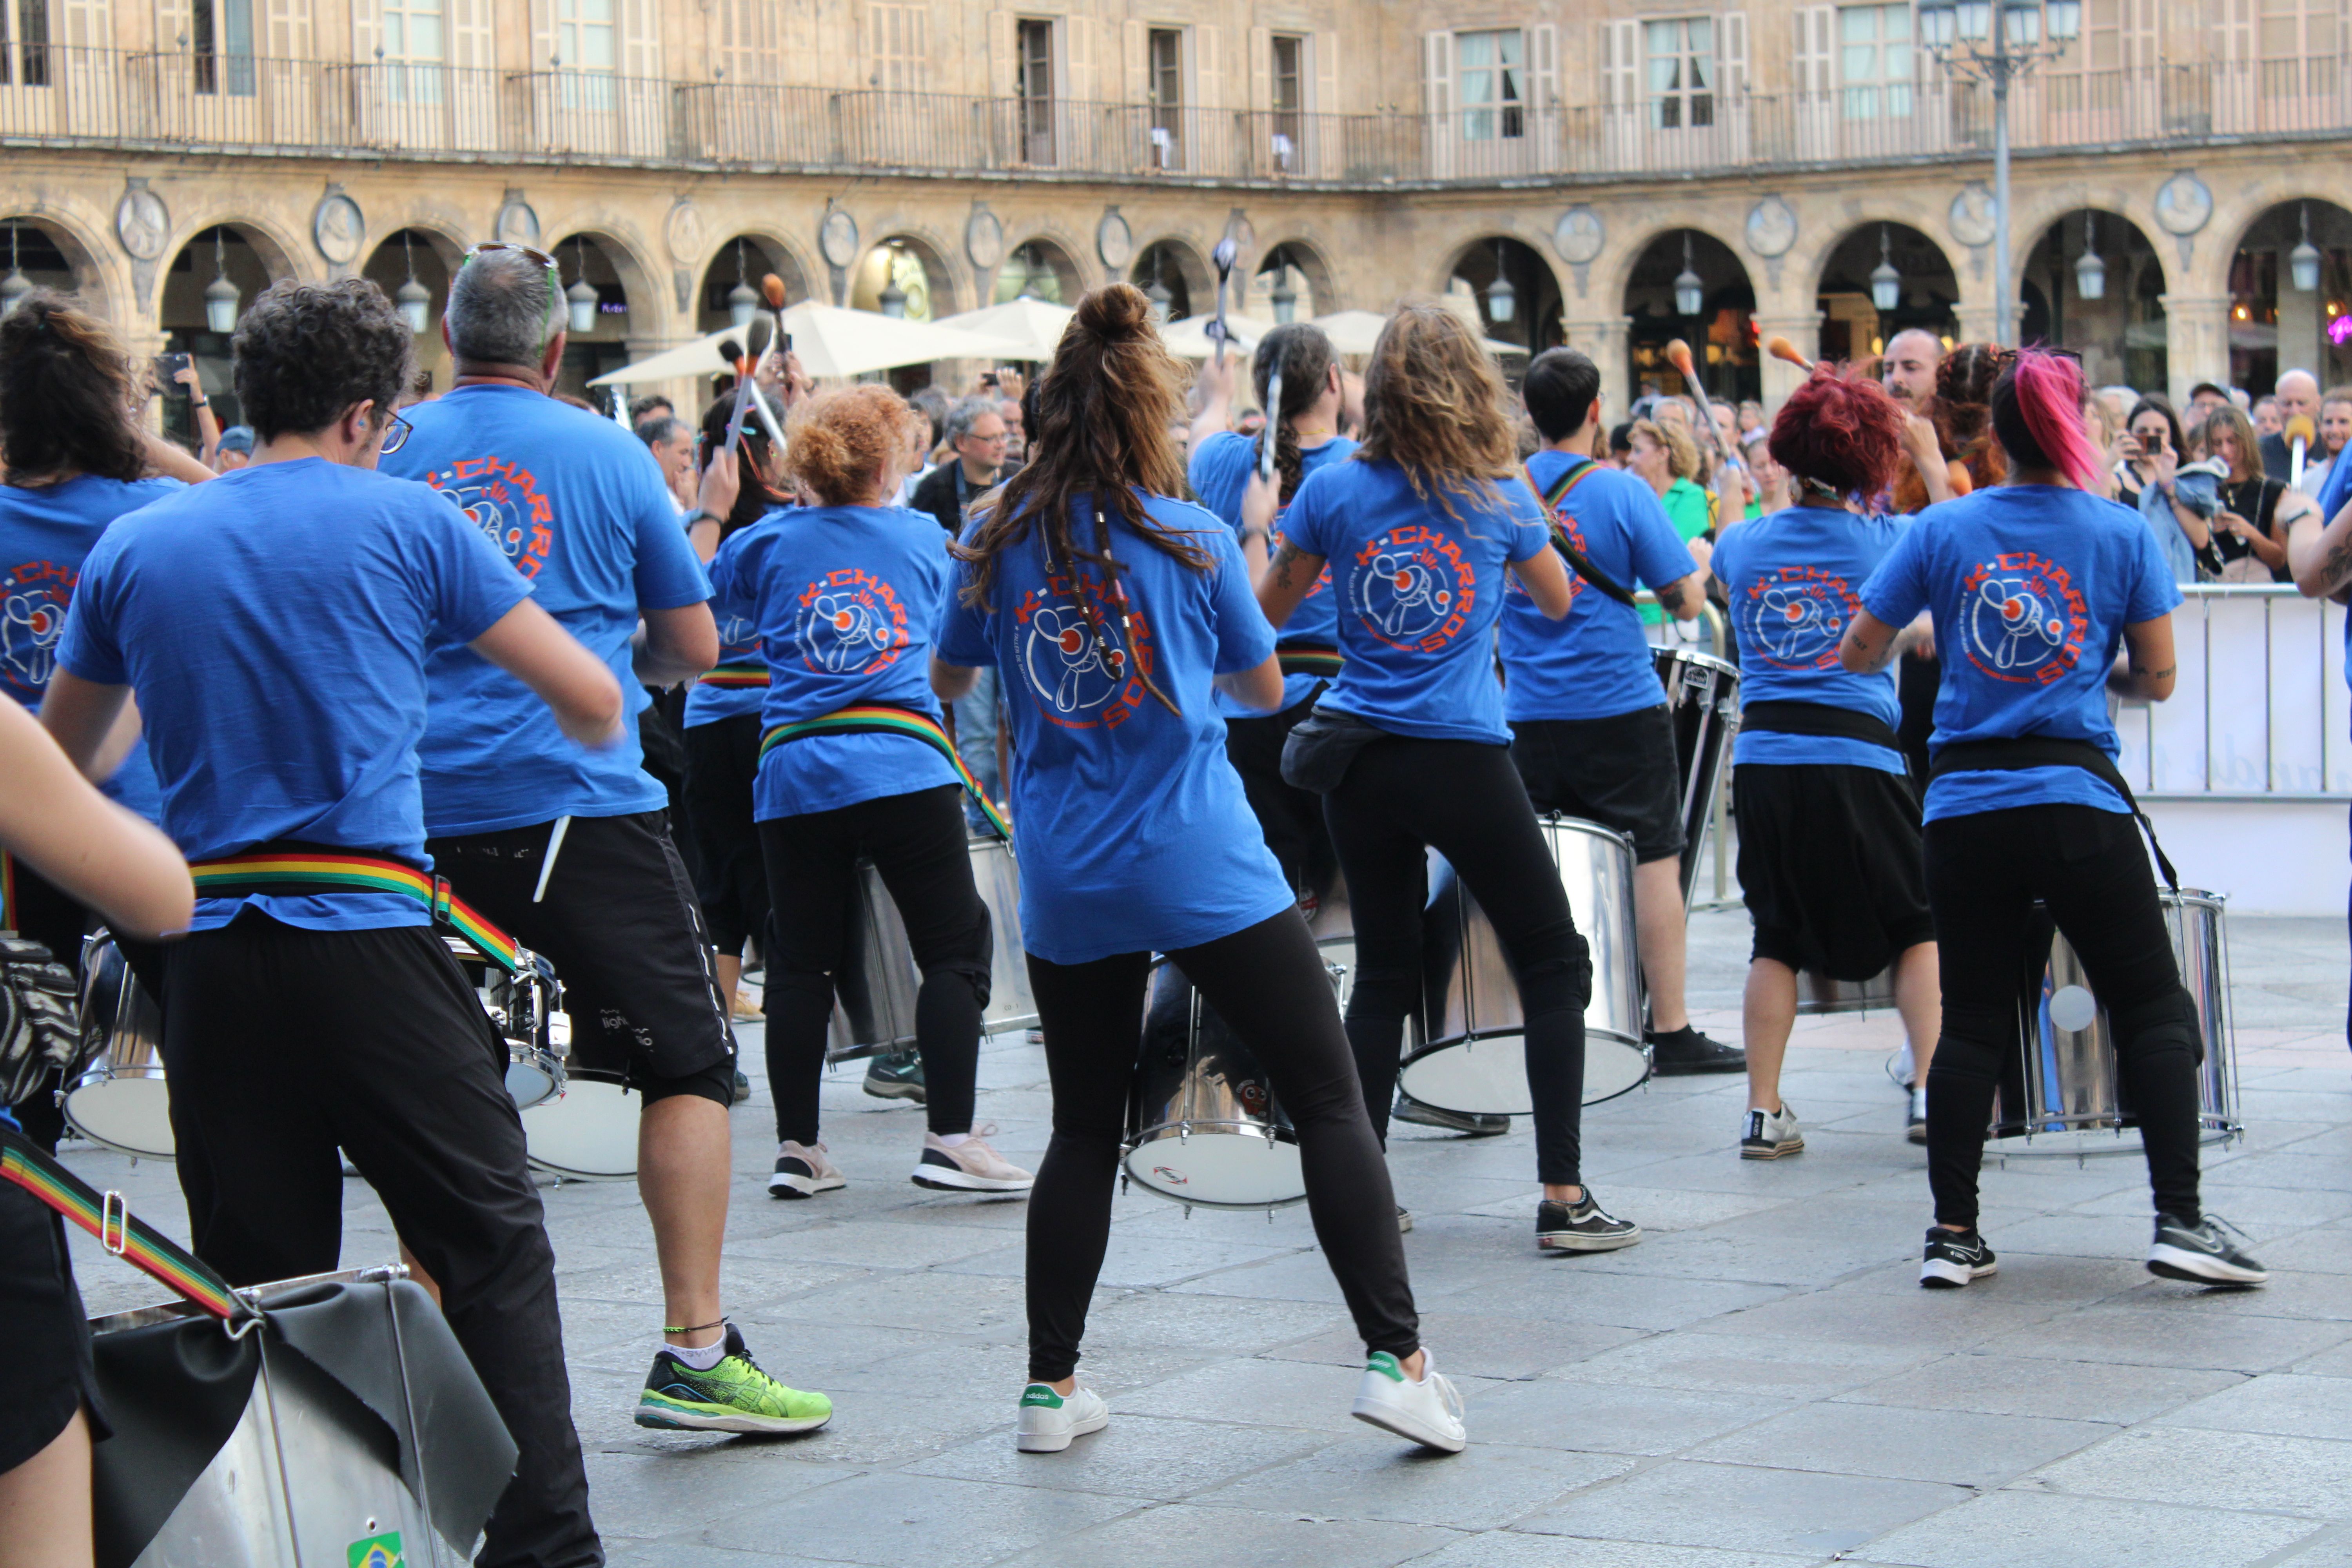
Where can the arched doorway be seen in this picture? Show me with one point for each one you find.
(419, 258)
(1689, 285)
(1291, 285)
(2276, 322)
(742, 262)
(2110, 310)
(38, 255)
(1040, 269)
(206, 290)
(1516, 296)
(604, 305)
(903, 277)
(1902, 262)
(1177, 281)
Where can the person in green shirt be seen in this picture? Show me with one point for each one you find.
(1666, 459)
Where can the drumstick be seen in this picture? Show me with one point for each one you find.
(773, 288)
(1678, 354)
(554, 847)
(1780, 347)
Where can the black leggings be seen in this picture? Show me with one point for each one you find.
(917, 842)
(723, 758)
(1984, 872)
(1267, 981)
(1464, 800)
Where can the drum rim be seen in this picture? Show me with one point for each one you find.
(1160, 1132)
(1192, 1201)
(1693, 655)
(65, 1109)
(1608, 1037)
(572, 1173)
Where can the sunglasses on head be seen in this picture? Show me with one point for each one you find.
(555, 278)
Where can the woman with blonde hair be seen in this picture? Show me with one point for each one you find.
(1668, 462)
(1115, 612)
(2250, 532)
(853, 765)
(1409, 748)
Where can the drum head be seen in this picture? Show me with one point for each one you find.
(1488, 1076)
(532, 1076)
(131, 1115)
(589, 1133)
(1218, 1169)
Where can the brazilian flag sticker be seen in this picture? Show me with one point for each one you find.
(377, 1551)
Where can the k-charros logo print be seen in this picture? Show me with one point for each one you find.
(2022, 618)
(505, 503)
(1566, 527)
(850, 622)
(1793, 618)
(1076, 681)
(33, 599)
(1411, 588)
(739, 637)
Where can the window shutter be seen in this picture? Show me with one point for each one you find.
(1260, 67)
(175, 24)
(1209, 64)
(1731, 54)
(1325, 90)
(1621, 64)
(1000, 25)
(1078, 50)
(641, 49)
(289, 30)
(367, 29)
(543, 34)
(469, 34)
(1437, 102)
(1135, 50)
(87, 26)
(1810, 60)
(1543, 67)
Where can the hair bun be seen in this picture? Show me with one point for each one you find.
(1118, 312)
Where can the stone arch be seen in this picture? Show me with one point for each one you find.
(1929, 300)
(613, 266)
(1305, 257)
(1050, 254)
(2274, 326)
(1721, 335)
(85, 273)
(1537, 290)
(1182, 267)
(2122, 334)
(866, 278)
(764, 252)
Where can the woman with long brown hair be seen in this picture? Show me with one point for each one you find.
(1114, 612)
(1409, 749)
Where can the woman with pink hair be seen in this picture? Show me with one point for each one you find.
(2035, 584)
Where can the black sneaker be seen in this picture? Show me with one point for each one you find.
(1685, 1050)
(1954, 1258)
(1478, 1125)
(2200, 1253)
(742, 1086)
(896, 1074)
(1582, 1226)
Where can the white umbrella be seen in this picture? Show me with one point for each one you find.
(832, 344)
(1038, 323)
(1355, 331)
(1186, 340)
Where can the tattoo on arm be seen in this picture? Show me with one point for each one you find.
(2336, 570)
(1278, 570)
(1675, 599)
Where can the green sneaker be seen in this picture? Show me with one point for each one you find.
(896, 1074)
(733, 1396)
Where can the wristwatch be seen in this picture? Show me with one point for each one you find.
(200, 403)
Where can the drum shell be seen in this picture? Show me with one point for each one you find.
(1203, 1125)
(521, 1004)
(1818, 993)
(875, 993)
(1703, 706)
(587, 1131)
(119, 1100)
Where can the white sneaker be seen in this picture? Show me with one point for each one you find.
(802, 1171)
(1049, 1420)
(1428, 1412)
(972, 1166)
(1914, 1119)
(1771, 1135)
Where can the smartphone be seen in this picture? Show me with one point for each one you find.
(988, 378)
(167, 366)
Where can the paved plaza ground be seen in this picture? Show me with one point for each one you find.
(1761, 1382)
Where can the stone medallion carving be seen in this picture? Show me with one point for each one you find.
(1114, 241)
(1972, 216)
(517, 225)
(983, 239)
(2183, 204)
(683, 233)
(1772, 228)
(338, 228)
(141, 222)
(1578, 235)
(836, 237)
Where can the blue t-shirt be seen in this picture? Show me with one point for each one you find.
(578, 506)
(44, 534)
(1131, 827)
(1597, 662)
(1794, 581)
(845, 599)
(1221, 470)
(1419, 594)
(275, 623)
(2031, 586)
(740, 682)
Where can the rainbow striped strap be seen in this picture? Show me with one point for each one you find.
(881, 719)
(1308, 659)
(106, 1217)
(294, 872)
(735, 677)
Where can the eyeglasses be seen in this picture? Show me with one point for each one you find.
(395, 437)
(554, 278)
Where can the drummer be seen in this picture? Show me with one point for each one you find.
(853, 765)
(1589, 729)
(1829, 820)
(2035, 584)
(1409, 748)
(1112, 611)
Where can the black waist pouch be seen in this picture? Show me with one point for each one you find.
(1322, 747)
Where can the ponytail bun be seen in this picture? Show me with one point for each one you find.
(1117, 314)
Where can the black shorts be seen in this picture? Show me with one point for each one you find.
(1830, 866)
(623, 927)
(1619, 771)
(722, 759)
(41, 1323)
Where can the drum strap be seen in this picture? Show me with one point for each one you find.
(735, 677)
(888, 719)
(2008, 754)
(294, 869)
(106, 1217)
(1818, 719)
(1577, 561)
(7, 892)
(1318, 659)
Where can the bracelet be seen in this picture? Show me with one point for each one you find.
(696, 521)
(200, 403)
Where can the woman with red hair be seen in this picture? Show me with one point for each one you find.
(2034, 584)
(1827, 809)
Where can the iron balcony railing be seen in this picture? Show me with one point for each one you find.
(56, 96)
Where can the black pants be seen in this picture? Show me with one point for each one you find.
(1290, 818)
(1984, 872)
(1268, 982)
(917, 841)
(1465, 801)
(283, 1045)
(723, 758)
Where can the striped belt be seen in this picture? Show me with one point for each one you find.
(1308, 659)
(294, 872)
(883, 719)
(735, 677)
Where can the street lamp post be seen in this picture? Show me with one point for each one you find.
(1997, 42)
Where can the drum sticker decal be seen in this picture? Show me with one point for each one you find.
(2023, 619)
(377, 1551)
(504, 501)
(1793, 618)
(33, 600)
(850, 622)
(1411, 589)
(1076, 681)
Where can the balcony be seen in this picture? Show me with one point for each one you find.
(61, 97)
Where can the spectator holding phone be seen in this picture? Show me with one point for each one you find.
(2150, 452)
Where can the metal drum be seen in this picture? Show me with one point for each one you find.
(524, 1006)
(1474, 1056)
(1818, 993)
(997, 875)
(588, 1132)
(119, 1100)
(1331, 921)
(1702, 704)
(1202, 1125)
(874, 994)
(2063, 1095)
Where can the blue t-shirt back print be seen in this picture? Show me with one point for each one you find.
(1219, 473)
(1794, 579)
(576, 505)
(1418, 596)
(1132, 830)
(2031, 586)
(1596, 662)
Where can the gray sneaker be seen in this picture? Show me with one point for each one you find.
(1582, 1226)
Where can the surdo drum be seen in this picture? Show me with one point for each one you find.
(874, 994)
(1703, 703)
(526, 1007)
(119, 1100)
(1473, 1056)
